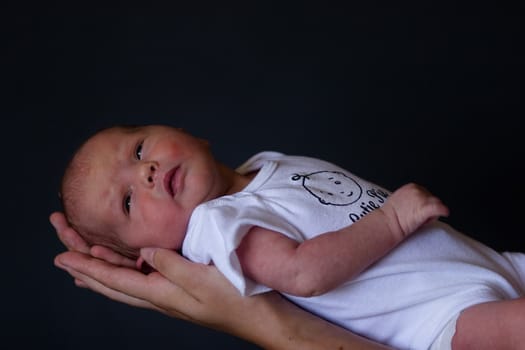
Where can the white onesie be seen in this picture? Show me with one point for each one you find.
(404, 300)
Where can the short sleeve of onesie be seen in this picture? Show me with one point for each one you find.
(216, 230)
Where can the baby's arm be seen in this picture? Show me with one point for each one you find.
(318, 265)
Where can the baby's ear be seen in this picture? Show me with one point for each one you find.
(143, 266)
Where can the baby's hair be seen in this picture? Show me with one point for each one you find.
(71, 191)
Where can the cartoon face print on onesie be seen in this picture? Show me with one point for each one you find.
(331, 187)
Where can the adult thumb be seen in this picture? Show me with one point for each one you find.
(170, 264)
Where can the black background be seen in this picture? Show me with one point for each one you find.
(431, 93)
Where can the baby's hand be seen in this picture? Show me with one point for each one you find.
(411, 206)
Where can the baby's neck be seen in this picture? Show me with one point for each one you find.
(236, 182)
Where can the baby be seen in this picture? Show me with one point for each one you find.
(375, 262)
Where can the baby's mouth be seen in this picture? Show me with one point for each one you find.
(170, 181)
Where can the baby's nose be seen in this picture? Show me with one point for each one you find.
(149, 173)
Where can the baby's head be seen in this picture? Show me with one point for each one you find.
(132, 187)
(74, 190)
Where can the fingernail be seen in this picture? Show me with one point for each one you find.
(147, 254)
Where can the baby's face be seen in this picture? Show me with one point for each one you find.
(144, 183)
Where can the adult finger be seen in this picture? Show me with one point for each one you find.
(177, 268)
(67, 235)
(111, 256)
(207, 292)
(121, 284)
(86, 281)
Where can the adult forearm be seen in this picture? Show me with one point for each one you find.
(287, 327)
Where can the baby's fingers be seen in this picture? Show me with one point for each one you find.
(435, 208)
(432, 210)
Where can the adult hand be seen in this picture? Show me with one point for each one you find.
(112, 275)
(73, 242)
(180, 288)
(200, 294)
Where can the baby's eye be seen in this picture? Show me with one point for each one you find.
(127, 203)
(138, 151)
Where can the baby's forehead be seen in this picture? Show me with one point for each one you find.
(85, 164)
(103, 140)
